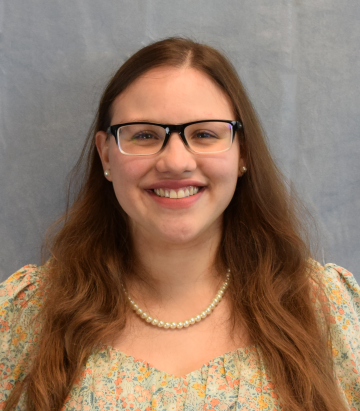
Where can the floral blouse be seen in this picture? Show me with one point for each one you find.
(112, 380)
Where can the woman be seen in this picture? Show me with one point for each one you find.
(178, 278)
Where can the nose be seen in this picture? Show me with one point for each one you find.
(175, 158)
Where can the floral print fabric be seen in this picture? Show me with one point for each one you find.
(112, 380)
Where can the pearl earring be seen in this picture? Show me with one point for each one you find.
(106, 173)
(243, 169)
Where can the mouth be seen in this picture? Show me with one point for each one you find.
(181, 192)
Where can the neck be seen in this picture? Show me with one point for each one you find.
(176, 272)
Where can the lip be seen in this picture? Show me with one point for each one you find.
(174, 184)
(172, 203)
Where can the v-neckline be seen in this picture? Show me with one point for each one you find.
(246, 349)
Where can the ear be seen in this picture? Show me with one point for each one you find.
(242, 161)
(242, 169)
(102, 145)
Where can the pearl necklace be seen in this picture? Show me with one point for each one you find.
(161, 324)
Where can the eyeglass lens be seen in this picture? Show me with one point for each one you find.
(205, 137)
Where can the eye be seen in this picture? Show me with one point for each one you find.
(145, 135)
(204, 134)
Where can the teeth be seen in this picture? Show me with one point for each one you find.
(181, 193)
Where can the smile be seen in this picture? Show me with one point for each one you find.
(179, 193)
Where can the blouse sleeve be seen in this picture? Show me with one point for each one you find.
(344, 297)
(20, 301)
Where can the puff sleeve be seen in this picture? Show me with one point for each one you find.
(21, 298)
(344, 299)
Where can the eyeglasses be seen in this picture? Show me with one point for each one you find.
(206, 136)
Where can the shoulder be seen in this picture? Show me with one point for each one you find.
(339, 285)
(339, 293)
(22, 288)
(21, 298)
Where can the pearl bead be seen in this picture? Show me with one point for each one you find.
(179, 325)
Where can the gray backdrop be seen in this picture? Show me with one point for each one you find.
(299, 59)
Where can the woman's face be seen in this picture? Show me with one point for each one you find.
(170, 95)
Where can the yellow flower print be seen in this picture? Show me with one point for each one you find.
(17, 371)
(140, 377)
(345, 326)
(15, 276)
(15, 341)
(335, 352)
(348, 394)
(142, 369)
(200, 389)
(163, 383)
(262, 403)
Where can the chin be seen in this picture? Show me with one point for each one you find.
(182, 233)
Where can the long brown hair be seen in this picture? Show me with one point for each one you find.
(262, 244)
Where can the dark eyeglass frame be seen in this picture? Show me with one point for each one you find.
(171, 128)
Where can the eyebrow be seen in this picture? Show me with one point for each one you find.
(143, 120)
(139, 120)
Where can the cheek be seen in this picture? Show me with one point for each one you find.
(224, 170)
(126, 168)
(126, 173)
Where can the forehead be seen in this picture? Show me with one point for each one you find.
(172, 95)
